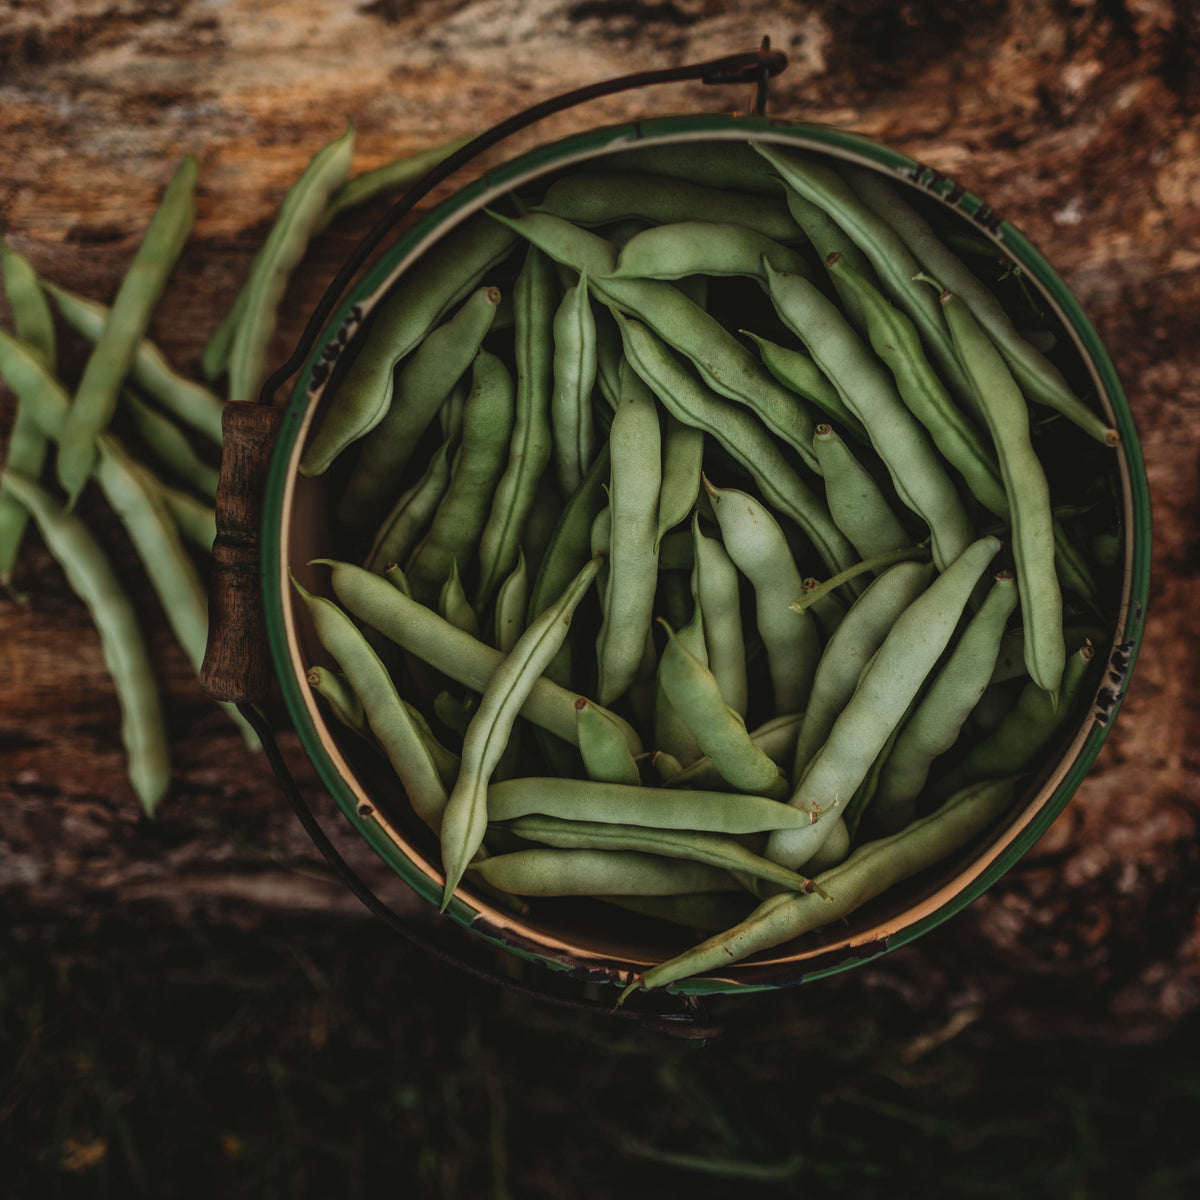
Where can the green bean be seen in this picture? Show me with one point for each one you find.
(445, 761)
(453, 604)
(720, 732)
(608, 358)
(1038, 378)
(659, 808)
(856, 502)
(512, 600)
(918, 475)
(728, 166)
(531, 446)
(334, 688)
(574, 377)
(455, 711)
(450, 415)
(384, 710)
(183, 398)
(114, 351)
(691, 402)
(361, 188)
(794, 369)
(463, 658)
(848, 651)
(422, 385)
(685, 248)
(869, 566)
(1028, 494)
(870, 871)
(672, 735)
(896, 341)
(635, 475)
(26, 451)
(410, 516)
(93, 579)
(913, 645)
(462, 513)
(606, 756)
(715, 849)
(442, 276)
(896, 267)
(715, 582)
(828, 238)
(1025, 732)
(723, 362)
(550, 872)
(755, 542)
(465, 818)
(939, 716)
(833, 850)
(683, 458)
(195, 520)
(170, 445)
(300, 215)
(596, 198)
(776, 738)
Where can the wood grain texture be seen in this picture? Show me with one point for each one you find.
(1078, 122)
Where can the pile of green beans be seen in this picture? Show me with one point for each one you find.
(678, 577)
(148, 435)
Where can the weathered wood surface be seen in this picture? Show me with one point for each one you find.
(1077, 121)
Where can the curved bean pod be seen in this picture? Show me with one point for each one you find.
(343, 702)
(551, 872)
(93, 579)
(487, 735)
(597, 198)
(695, 696)
(385, 712)
(26, 450)
(795, 370)
(918, 475)
(934, 726)
(729, 166)
(462, 513)
(886, 688)
(606, 756)
(403, 527)
(442, 276)
(690, 401)
(715, 582)
(1039, 379)
(755, 542)
(300, 214)
(96, 396)
(635, 477)
(1028, 493)
(715, 849)
(870, 871)
(855, 500)
(683, 458)
(171, 445)
(685, 248)
(776, 738)
(672, 735)
(574, 333)
(465, 659)
(531, 444)
(453, 604)
(183, 398)
(659, 808)
(860, 634)
(512, 600)
(895, 266)
(422, 385)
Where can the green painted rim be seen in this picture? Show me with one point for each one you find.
(1078, 758)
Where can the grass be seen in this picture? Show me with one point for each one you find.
(317, 1058)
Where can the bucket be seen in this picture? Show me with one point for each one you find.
(584, 938)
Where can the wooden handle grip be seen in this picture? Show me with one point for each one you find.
(237, 661)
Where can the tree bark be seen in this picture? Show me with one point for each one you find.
(1076, 121)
